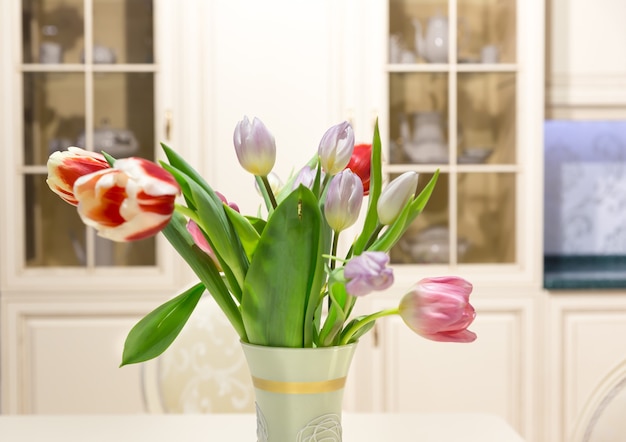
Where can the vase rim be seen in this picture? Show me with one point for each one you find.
(332, 347)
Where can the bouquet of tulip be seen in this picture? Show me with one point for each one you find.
(277, 277)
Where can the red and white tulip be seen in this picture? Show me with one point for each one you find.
(65, 167)
(133, 200)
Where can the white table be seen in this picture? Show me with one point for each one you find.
(376, 427)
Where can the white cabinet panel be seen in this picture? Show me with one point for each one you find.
(64, 356)
(73, 365)
(495, 374)
(586, 348)
(587, 67)
(283, 69)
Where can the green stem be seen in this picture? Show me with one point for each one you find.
(348, 333)
(332, 261)
(268, 188)
(334, 250)
(186, 211)
(374, 235)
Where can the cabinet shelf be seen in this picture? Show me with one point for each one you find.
(79, 67)
(452, 67)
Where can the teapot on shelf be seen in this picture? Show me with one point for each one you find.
(427, 143)
(432, 45)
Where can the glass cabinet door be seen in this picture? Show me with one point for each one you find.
(88, 80)
(452, 88)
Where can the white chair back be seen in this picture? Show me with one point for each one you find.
(203, 371)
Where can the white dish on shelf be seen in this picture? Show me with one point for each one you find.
(475, 155)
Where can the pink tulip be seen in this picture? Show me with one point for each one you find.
(131, 201)
(64, 168)
(438, 309)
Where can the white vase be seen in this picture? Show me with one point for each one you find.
(299, 391)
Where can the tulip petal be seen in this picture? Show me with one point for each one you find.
(438, 309)
(132, 201)
(64, 168)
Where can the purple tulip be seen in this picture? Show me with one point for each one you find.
(306, 177)
(255, 147)
(343, 200)
(336, 147)
(438, 309)
(368, 272)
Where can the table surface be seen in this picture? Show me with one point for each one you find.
(420, 427)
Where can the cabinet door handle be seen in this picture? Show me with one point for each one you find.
(375, 335)
(168, 124)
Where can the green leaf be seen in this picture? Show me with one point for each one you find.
(360, 332)
(203, 266)
(248, 235)
(406, 217)
(157, 330)
(336, 314)
(376, 183)
(110, 159)
(179, 163)
(211, 217)
(284, 280)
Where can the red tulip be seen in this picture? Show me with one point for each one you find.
(131, 201)
(438, 309)
(64, 168)
(361, 164)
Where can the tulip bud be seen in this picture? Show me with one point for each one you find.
(64, 168)
(368, 272)
(306, 177)
(438, 309)
(131, 201)
(276, 184)
(343, 200)
(255, 147)
(361, 164)
(336, 148)
(395, 196)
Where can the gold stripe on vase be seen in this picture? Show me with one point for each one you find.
(299, 387)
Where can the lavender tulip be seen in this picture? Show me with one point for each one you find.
(255, 147)
(368, 272)
(306, 177)
(336, 147)
(343, 200)
(395, 197)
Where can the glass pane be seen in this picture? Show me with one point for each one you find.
(486, 31)
(124, 114)
(55, 235)
(418, 31)
(486, 217)
(418, 112)
(136, 253)
(487, 117)
(52, 31)
(54, 113)
(427, 239)
(123, 31)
